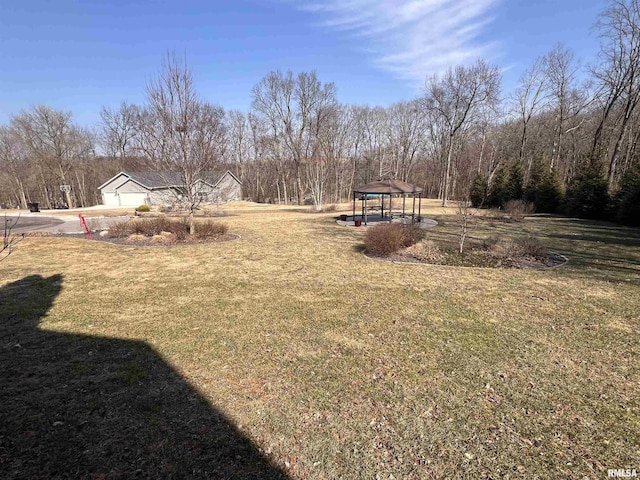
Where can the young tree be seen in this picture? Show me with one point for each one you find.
(182, 135)
(9, 239)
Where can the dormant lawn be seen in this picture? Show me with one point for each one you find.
(337, 366)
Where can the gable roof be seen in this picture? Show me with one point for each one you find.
(155, 180)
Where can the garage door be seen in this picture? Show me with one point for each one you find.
(110, 199)
(130, 199)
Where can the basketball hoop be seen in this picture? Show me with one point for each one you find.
(65, 188)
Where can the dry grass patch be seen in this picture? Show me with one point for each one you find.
(333, 366)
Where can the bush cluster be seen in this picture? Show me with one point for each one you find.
(143, 208)
(149, 227)
(387, 238)
(210, 229)
(153, 226)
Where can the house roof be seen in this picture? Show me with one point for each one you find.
(387, 187)
(155, 180)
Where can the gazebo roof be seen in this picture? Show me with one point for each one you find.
(387, 187)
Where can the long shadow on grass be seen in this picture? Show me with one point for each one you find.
(79, 406)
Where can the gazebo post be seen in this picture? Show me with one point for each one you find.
(413, 209)
(382, 208)
(404, 200)
(354, 207)
(419, 205)
(365, 208)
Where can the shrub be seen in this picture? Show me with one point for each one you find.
(518, 209)
(329, 208)
(425, 251)
(531, 247)
(210, 229)
(387, 238)
(143, 208)
(154, 226)
(516, 248)
(120, 229)
(413, 234)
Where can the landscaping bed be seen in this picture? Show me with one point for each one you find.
(164, 231)
(399, 243)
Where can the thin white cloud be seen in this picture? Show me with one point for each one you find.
(411, 38)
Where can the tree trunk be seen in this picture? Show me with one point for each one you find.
(299, 184)
(284, 190)
(22, 197)
(192, 222)
(445, 189)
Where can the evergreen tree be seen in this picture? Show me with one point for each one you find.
(544, 189)
(626, 203)
(479, 191)
(516, 180)
(588, 195)
(500, 189)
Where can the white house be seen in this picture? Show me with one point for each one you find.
(132, 189)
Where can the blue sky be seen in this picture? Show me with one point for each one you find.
(83, 54)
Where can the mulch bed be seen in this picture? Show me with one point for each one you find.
(147, 242)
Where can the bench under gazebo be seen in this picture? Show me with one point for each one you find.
(388, 188)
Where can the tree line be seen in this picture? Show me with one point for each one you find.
(566, 138)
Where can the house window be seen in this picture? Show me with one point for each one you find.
(202, 195)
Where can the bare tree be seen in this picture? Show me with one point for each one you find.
(9, 239)
(405, 137)
(239, 139)
(14, 159)
(528, 99)
(55, 144)
(182, 135)
(457, 99)
(618, 75)
(560, 70)
(291, 106)
(119, 128)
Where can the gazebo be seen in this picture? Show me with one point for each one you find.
(390, 188)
